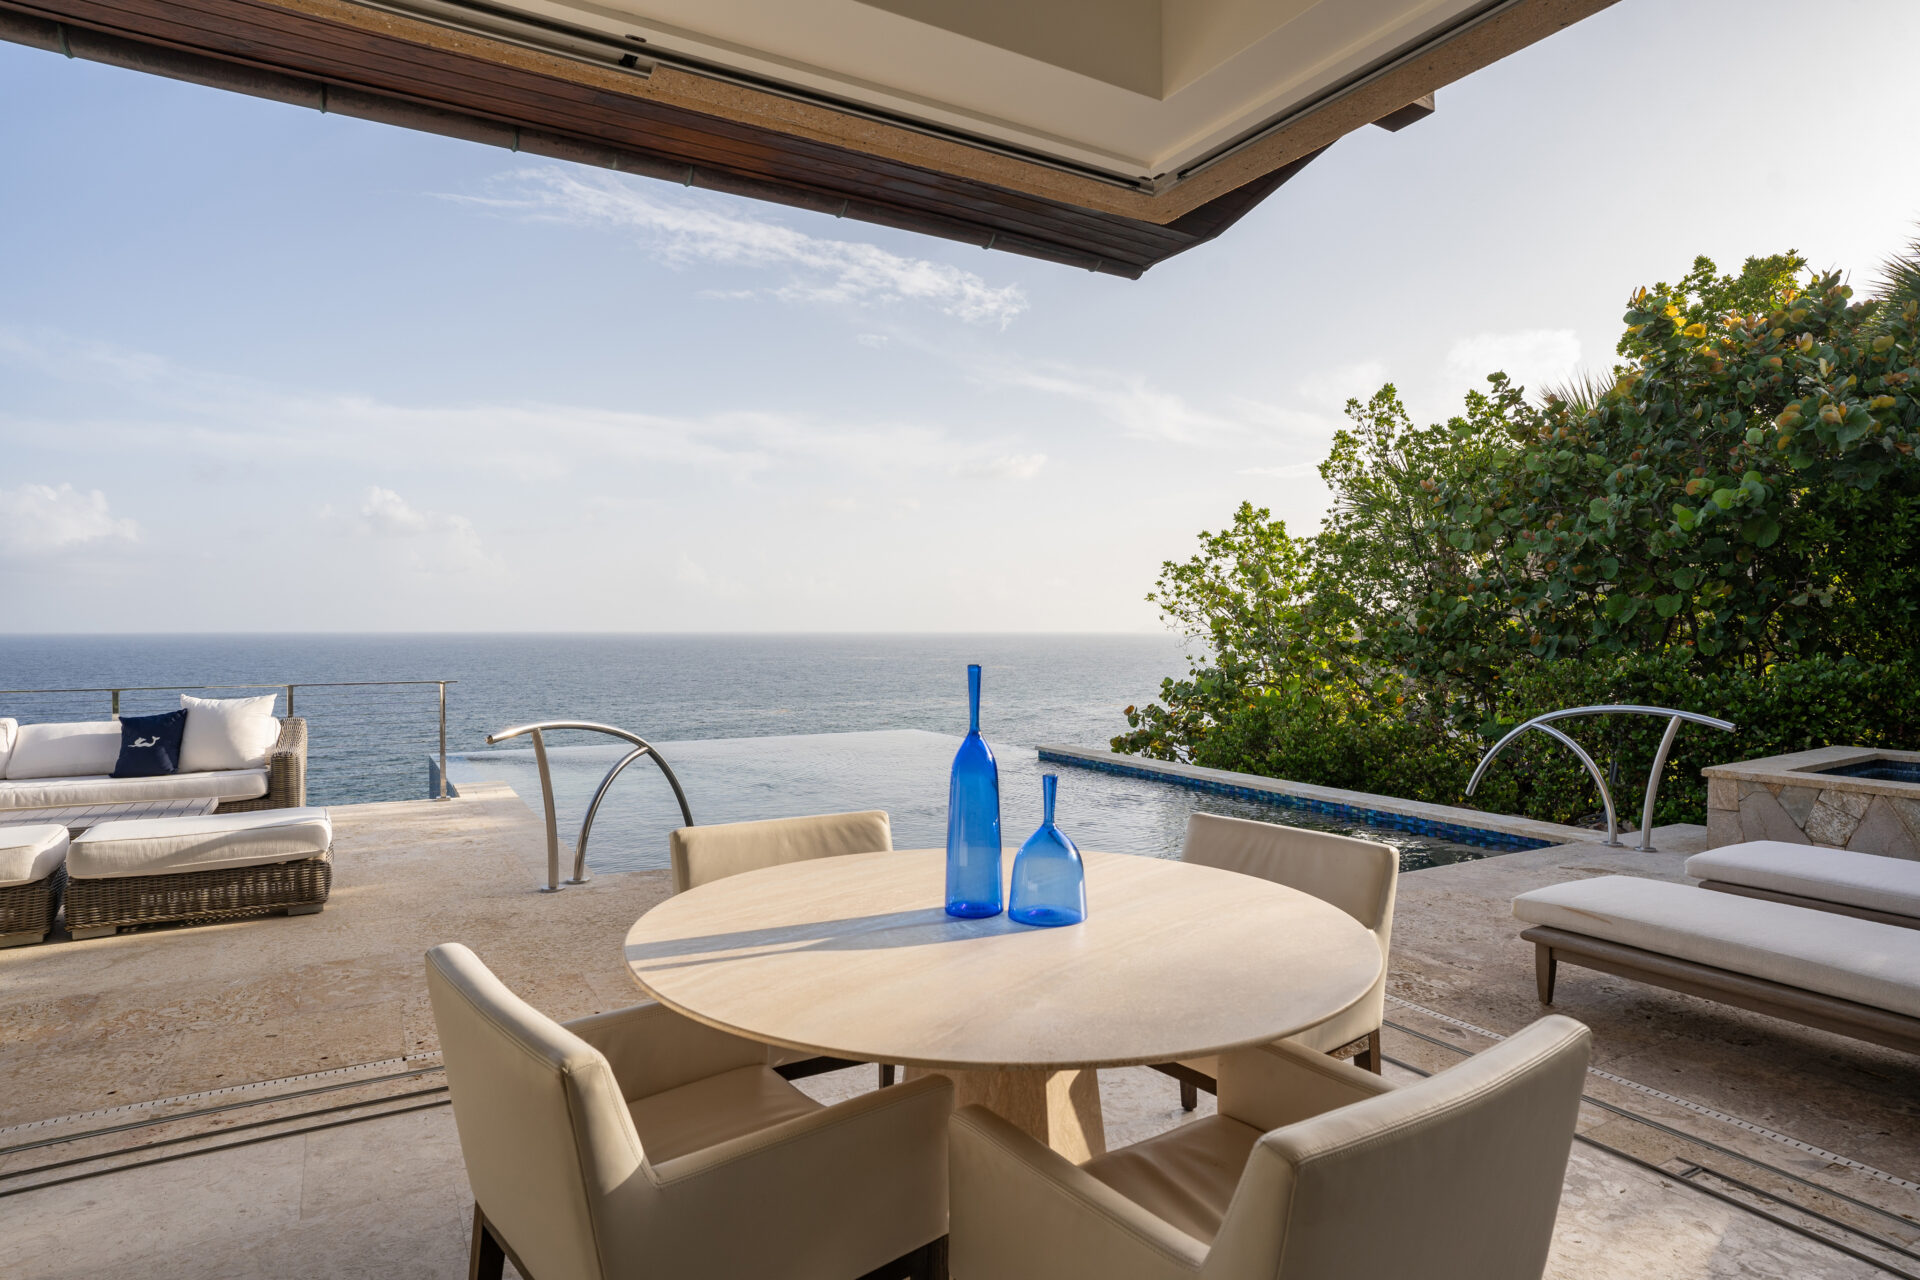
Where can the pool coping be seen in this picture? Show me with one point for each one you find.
(1464, 826)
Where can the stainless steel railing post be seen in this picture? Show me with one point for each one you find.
(1653, 783)
(443, 740)
(641, 747)
(1675, 718)
(553, 825)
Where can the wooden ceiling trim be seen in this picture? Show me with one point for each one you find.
(302, 43)
(292, 56)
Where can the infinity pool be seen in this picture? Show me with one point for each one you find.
(903, 771)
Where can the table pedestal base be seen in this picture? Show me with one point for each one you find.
(1059, 1108)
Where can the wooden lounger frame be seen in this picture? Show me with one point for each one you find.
(1776, 1000)
(1818, 904)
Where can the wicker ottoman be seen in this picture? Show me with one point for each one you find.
(152, 870)
(31, 877)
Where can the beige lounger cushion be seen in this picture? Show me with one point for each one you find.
(174, 846)
(1859, 960)
(29, 854)
(1864, 880)
(49, 793)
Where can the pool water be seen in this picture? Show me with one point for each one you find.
(903, 771)
(1878, 770)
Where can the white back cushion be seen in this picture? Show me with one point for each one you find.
(227, 733)
(65, 750)
(8, 730)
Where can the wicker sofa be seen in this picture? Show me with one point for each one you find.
(280, 784)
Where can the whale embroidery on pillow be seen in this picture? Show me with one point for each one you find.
(150, 745)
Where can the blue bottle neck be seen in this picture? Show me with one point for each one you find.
(973, 699)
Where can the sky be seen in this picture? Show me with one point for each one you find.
(263, 369)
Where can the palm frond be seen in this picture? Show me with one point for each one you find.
(1899, 283)
(1582, 390)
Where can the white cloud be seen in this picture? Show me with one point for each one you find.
(1332, 388)
(1287, 471)
(705, 229)
(239, 423)
(1531, 358)
(1008, 466)
(874, 340)
(39, 519)
(435, 541)
(382, 511)
(1128, 400)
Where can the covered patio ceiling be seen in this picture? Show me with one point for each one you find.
(1104, 134)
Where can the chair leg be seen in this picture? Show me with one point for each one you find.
(930, 1261)
(1191, 1082)
(886, 1075)
(486, 1260)
(1545, 969)
(1368, 1059)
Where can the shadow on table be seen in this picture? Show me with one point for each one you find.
(928, 926)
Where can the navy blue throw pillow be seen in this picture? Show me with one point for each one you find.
(150, 745)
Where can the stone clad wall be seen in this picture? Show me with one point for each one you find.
(1834, 812)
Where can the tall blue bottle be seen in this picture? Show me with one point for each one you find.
(973, 820)
(1049, 880)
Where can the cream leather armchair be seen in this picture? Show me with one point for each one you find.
(1312, 1170)
(726, 849)
(701, 854)
(1358, 876)
(642, 1144)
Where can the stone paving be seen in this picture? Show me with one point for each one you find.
(1700, 1115)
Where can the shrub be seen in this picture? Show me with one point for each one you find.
(1728, 522)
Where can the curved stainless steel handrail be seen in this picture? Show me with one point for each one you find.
(641, 747)
(1674, 720)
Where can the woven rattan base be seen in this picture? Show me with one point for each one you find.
(221, 894)
(27, 910)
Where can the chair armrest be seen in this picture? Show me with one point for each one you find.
(1274, 1085)
(842, 1190)
(881, 1125)
(652, 1049)
(287, 765)
(1021, 1210)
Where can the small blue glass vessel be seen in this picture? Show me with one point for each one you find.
(1049, 880)
(973, 820)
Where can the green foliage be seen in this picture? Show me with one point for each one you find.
(1727, 522)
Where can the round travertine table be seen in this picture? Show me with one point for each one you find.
(855, 957)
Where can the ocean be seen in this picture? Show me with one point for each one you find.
(372, 743)
(755, 726)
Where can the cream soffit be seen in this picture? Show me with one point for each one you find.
(1133, 88)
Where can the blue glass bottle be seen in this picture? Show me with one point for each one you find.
(973, 820)
(1049, 880)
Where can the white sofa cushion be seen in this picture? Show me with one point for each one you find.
(173, 846)
(50, 793)
(1860, 960)
(9, 730)
(1832, 875)
(227, 733)
(30, 853)
(67, 750)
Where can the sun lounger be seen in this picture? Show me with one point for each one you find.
(1857, 978)
(32, 875)
(1866, 885)
(146, 871)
